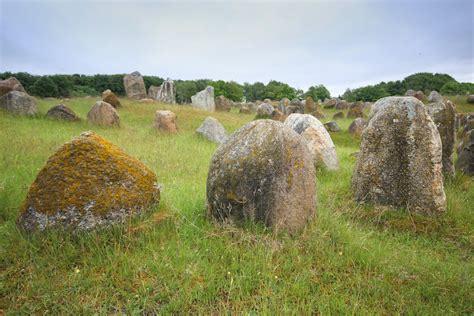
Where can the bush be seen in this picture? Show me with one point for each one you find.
(45, 87)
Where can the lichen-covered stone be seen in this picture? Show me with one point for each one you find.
(444, 116)
(213, 130)
(317, 139)
(264, 111)
(18, 103)
(134, 86)
(88, 183)
(310, 106)
(342, 105)
(166, 92)
(263, 173)
(283, 104)
(465, 162)
(102, 113)
(222, 104)
(330, 103)
(355, 112)
(153, 92)
(400, 158)
(62, 112)
(166, 121)
(110, 97)
(204, 99)
(357, 127)
(332, 126)
(10, 84)
(435, 97)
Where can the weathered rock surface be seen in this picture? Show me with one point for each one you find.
(310, 106)
(213, 130)
(444, 117)
(146, 100)
(153, 92)
(166, 121)
(244, 110)
(342, 105)
(18, 103)
(332, 126)
(470, 99)
(355, 112)
(435, 97)
(357, 126)
(134, 86)
(63, 113)
(338, 115)
(222, 104)
(264, 111)
(110, 97)
(264, 173)
(102, 113)
(317, 138)
(283, 104)
(277, 115)
(166, 92)
(400, 158)
(318, 114)
(204, 100)
(88, 183)
(10, 84)
(330, 103)
(465, 162)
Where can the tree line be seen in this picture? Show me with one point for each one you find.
(77, 85)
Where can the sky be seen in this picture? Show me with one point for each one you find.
(341, 44)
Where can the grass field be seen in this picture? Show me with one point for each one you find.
(349, 260)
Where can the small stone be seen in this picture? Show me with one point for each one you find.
(357, 127)
(332, 126)
(212, 130)
(338, 115)
(63, 113)
(166, 121)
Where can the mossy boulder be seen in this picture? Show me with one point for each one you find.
(263, 173)
(400, 160)
(88, 183)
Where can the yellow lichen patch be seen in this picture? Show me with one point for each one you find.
(90, 173)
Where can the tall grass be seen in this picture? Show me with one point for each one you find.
(349, 260)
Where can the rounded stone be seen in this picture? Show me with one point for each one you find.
(102, 113)
(263, 173)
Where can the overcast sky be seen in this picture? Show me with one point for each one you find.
(341, 44)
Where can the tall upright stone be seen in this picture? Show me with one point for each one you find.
(222, 104)
(134, 86)
(166, 92)
(444, 116)
(400, 161)
(204, 99)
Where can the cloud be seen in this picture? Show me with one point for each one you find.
(340, 43)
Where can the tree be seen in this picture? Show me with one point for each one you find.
(276, 90)
(45, 87)
(184, 90)
(254, 92)
(318, 92)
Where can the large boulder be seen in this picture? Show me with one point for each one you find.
(264, 111)
(357, 127)
(435, 97)
(153, 92)
(88, 183)
(134, 86)
(342, 105)
(10, 84)
(62, 113)
(444, 116)
(102, 113)
(264, 173)
(166, 121)
(310, 106)
(109, 97)
(18, 103)
(166, 92)
(212, 130)
(222, 104)
(465, 162)
(399, 163)
(470, 99)
(317, 139)
(204, 99)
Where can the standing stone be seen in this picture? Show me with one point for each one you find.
(357, 127)
(338, 115)
(330, 103)
(88, 183)
(63, 113)
(222, 104)
(134, 86)
(444, 116)
(110, 97)
(277, 115)
(166, 92)
(465, 162)
(399, 163)
(332, 126)
(10, 84)
(283, 104)
(264, 111)
(18, 103)
(310, 106)
(435, 97)
(166, 121)
(342, 105)
(355, 112)
(317, 139)
(264, 174)
(102, 113)
(213, 130)
(153, 92)
(204, 99)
